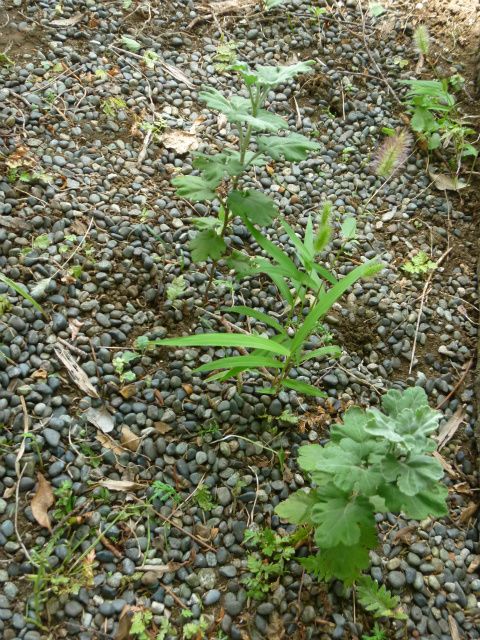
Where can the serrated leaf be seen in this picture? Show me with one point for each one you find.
(293, 147)
(242, 264)
(377, 599)
(253, 206)
(195, 188)
(270, 76)
(421, 506)
(263, 120)
(296, 507)
(339, 519)
(207, 244)
(413, 475)
(208, 222)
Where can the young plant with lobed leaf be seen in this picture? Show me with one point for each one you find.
(221, 173)
(308, 293)
(376, 462)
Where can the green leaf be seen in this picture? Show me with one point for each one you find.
(339, 518)
(215, 100)
(195, 188)
(413, 475)
(296, 507)
(22, 292)
(207, 244)
(431, 502)
(263, 121)
(377, 599)
(328, 299)
(353, 427)
(253, 206)
(212, 167)
(224, 340)
(270, 76)
(344, 562)
(271, 4)
(244, 362)
(294, 147)
(333, 351)
(258, 315)
(242, 264)
(303, 387)
(131, 44)
(349, 228)
(208, 222)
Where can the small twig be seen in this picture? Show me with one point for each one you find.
(250, 519)
(26, 426)
(15, 520)
(457, 386)
(422, 304)
(72, 347)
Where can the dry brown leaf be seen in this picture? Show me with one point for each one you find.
(75, 326)
(221, 7)
(180, 141)
(20, 158)
(76, 373)
(161, 569)
(67, 22)
(109, 443)
(444, 182)
(446, 465)
(405, 535)
(42, 501)
(188, 389)
(158, 397)
(120, 485)
(448, 430)
(100, 418)
(177, 74)
(125, 621)
(128, 391)
(40, 374)
(474, 564)
(468, 512)
(129, 439)
(162, 427)
(454, 632)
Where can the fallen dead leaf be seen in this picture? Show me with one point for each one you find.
(449, 429)
(109, 443)
(67, 22)
(444, 182)
(161, 569)
(177, 74)
(100, 418)
(40, 374)
(188, 389)
(468, 512)
(76, 373)
(129, 439)
(454, 632)
(446, 465)
(162, 428)
(125, 621)
(474, 564)
(180, 141)
(42, 501)
(120, 485)
(405, 535)
(128, 391)
(75, 326)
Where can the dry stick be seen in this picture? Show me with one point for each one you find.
(422, 304)
(177, 526)
(459, 383)
(15, 520)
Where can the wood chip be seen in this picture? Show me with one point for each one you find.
(454, 632)
(76, 373)
(474, 564)
(42, 501)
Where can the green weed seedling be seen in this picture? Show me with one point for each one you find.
(163, 492)
(203, 497)
(194, 628)
(377, 461)
(268, 562)
(64, 500)
(436, 119)
(419, 264)
(112, 105)
(120, 361)
(376, 599)
(221, 173)
(377, 634)
(308, 292)
(5, 304)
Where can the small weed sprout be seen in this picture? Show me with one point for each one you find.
(419, 264)
(421, 39)
(112, 105)
(120, 361)
(64, 500)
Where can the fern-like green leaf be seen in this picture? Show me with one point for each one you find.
(378, 600)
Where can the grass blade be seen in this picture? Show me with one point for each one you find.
(22, 292)
(303, 387)
(258, 315)
(245, 362)
(223, 340)
(333, 351)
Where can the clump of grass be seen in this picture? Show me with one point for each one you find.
(392, 154)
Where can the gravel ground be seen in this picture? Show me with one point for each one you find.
(97, 236)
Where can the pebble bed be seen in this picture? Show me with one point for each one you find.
(127, 237)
